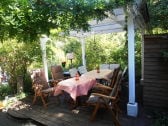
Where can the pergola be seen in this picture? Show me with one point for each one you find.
(114, 23)
(137, 17)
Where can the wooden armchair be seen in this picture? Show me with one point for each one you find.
(73, 72)
(105, 89)
(114, 66)
(104, 66)
(114, 77)
(41, 87)
(109, 102)
(82, 69)
(124, 72)
(57, 74)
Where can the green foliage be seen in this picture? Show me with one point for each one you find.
(158, 16)
(138, 55)
(109, 48)
(160, 119)
(27, 19)
(120, 56)
(94, 55)
(16, 57)
(4, 91)
(73, 45)
(27, 87)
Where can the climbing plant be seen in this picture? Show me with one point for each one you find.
(26, 19)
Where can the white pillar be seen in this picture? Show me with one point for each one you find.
(132, 106)
(83, 51)
(43, 41)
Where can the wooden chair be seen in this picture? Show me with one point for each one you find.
(114, 66)
(57, 74)
(82, 70)
(101, 88)
(110, 102)
(124, 72)
(104, 66)
(40, 86)
(114, 77)
(123, 77)
(73, 72)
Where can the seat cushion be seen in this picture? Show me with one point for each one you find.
(73, 72)
(82, 70)
(96, 99)
(48, 90)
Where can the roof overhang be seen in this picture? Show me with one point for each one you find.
(114, 23)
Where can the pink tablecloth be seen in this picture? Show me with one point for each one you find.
(75, 87)
(104, 74)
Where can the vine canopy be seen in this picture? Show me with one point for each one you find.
(26, 19)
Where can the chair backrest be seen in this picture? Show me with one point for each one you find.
(118, 82)
(73, 72)
(38, 77)
(114, 66)
(82, 69)
(57, 72)
(104, 66)
(124, 72)
(114, 91)
(114, 77)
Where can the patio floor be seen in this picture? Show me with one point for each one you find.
(59, 114)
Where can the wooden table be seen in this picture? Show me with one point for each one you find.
(75, 87)
(103, 74)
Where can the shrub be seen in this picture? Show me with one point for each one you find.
(5, 90)
(27, 86)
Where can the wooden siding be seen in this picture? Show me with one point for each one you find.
(155, 90)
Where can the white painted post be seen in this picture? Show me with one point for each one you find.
(83, 51)
(132, 106)
(43, 41)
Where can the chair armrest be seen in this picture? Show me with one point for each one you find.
(54, 82)
(103, 96)
(48, 90)
(98, 85)
(99, 88)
